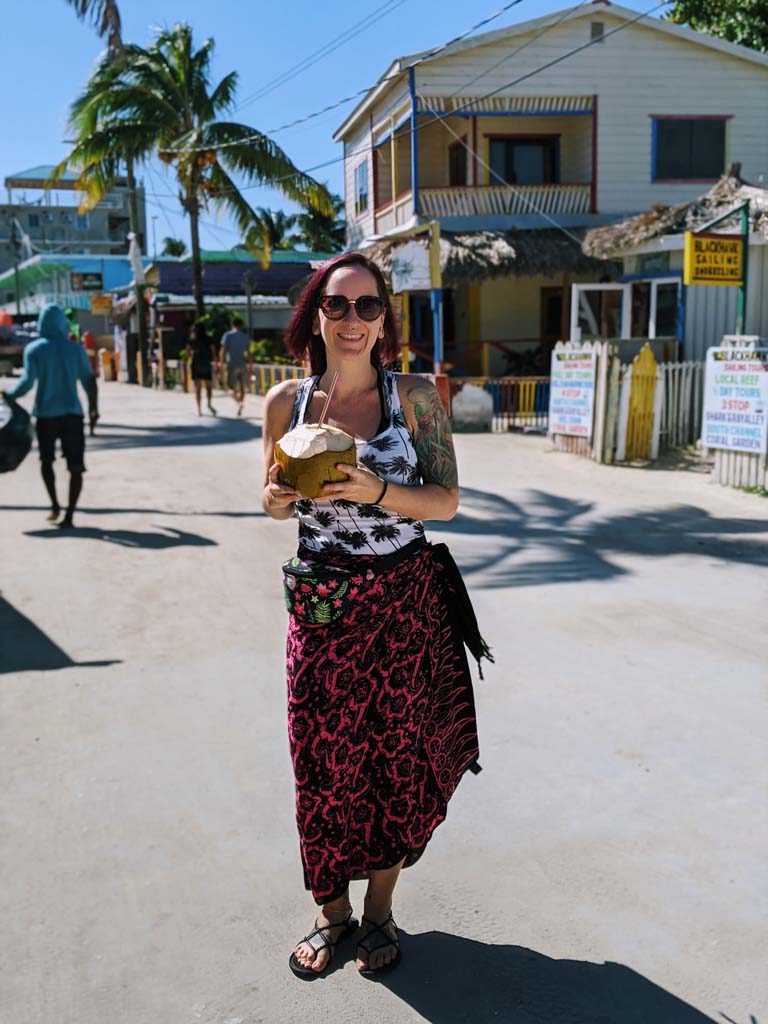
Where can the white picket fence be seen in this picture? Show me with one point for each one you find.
(740, 469)
(681, 404)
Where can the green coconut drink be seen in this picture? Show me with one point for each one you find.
(307, 456)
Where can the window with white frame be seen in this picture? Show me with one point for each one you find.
(361, 188)
(688, 148)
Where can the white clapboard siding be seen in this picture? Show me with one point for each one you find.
(358, 148)
(636, 73)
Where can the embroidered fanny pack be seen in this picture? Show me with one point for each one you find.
(319, 594)
(315, 593)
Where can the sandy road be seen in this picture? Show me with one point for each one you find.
(608, 864)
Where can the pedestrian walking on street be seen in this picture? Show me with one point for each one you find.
(203, 358)
(233, 356)
(380, 706)
(56, 364)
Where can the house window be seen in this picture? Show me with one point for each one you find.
(688, 149)
(457, 164)
(82, 222)
(361, 188)
(66, 218)
(34, 220)
(597, 31)
(525, 161)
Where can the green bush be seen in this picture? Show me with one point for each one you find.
(266, 350)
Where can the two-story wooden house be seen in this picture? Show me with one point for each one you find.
(519, 140)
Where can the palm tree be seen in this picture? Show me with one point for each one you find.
(276, 224)
(173, 247)
(160, 99)
(105, 15)
(321, 230)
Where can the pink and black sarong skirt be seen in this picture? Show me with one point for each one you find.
(381, 718)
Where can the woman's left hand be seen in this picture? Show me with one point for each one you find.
(363, 486)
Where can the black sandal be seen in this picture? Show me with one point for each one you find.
(349, 926)
(369, 946)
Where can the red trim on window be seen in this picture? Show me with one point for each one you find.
(593, 183)
(474, 150)
(691, 117)
(684, 181)
(537, 136)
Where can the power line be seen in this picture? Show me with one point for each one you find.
(547, 28)
(476, 100)
(324, 51)
(347, 99)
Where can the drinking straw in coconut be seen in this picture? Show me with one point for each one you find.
(328, 399)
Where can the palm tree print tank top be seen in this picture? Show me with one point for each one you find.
(347, 526)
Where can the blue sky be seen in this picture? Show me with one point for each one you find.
(54, 53)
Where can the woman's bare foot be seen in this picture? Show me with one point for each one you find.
(315, 954)
(54, 514)
(375, 953)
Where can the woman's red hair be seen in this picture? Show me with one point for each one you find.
(303, 344)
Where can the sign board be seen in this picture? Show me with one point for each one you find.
(572, 392)
(736, 399)
(101, 305)
(709, 258)
(85, 282)
(410, 268)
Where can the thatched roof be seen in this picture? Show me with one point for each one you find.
(472, 257)
(730, 192)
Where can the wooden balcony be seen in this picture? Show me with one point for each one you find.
(484, 200)
(394, 215)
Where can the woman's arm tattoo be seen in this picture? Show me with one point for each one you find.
(432, 437)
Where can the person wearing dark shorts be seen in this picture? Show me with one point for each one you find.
(234, 351)
(203, 357)
(56, 364)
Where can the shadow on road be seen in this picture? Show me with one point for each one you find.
(209, 430)
(492, 983)
(96, 511)
(565, 546)
(25, 648)
(172, 538)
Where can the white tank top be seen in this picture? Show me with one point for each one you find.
(347, 526)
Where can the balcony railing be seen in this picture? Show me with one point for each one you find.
(394, 214)
(482, 200)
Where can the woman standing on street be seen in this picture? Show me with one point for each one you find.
(380, 706)
(203, 358)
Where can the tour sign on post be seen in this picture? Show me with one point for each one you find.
(713, 259)
(572, 392)
(736, 400)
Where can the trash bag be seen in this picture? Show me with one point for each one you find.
(15, 434)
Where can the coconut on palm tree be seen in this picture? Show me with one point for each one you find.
(160, 99)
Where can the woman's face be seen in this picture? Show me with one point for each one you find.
(350, 337)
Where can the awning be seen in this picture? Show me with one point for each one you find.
(32, 275)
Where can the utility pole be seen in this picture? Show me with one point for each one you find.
(141, 309)
(16, 243)
(248, 283)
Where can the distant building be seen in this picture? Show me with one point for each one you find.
(518, 141)
(37, 219)
(232, 278)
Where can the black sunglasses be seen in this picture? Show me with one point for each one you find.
(367, 307)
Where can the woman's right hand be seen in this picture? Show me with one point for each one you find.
(278, 498)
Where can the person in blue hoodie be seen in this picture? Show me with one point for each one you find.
(56, 364)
